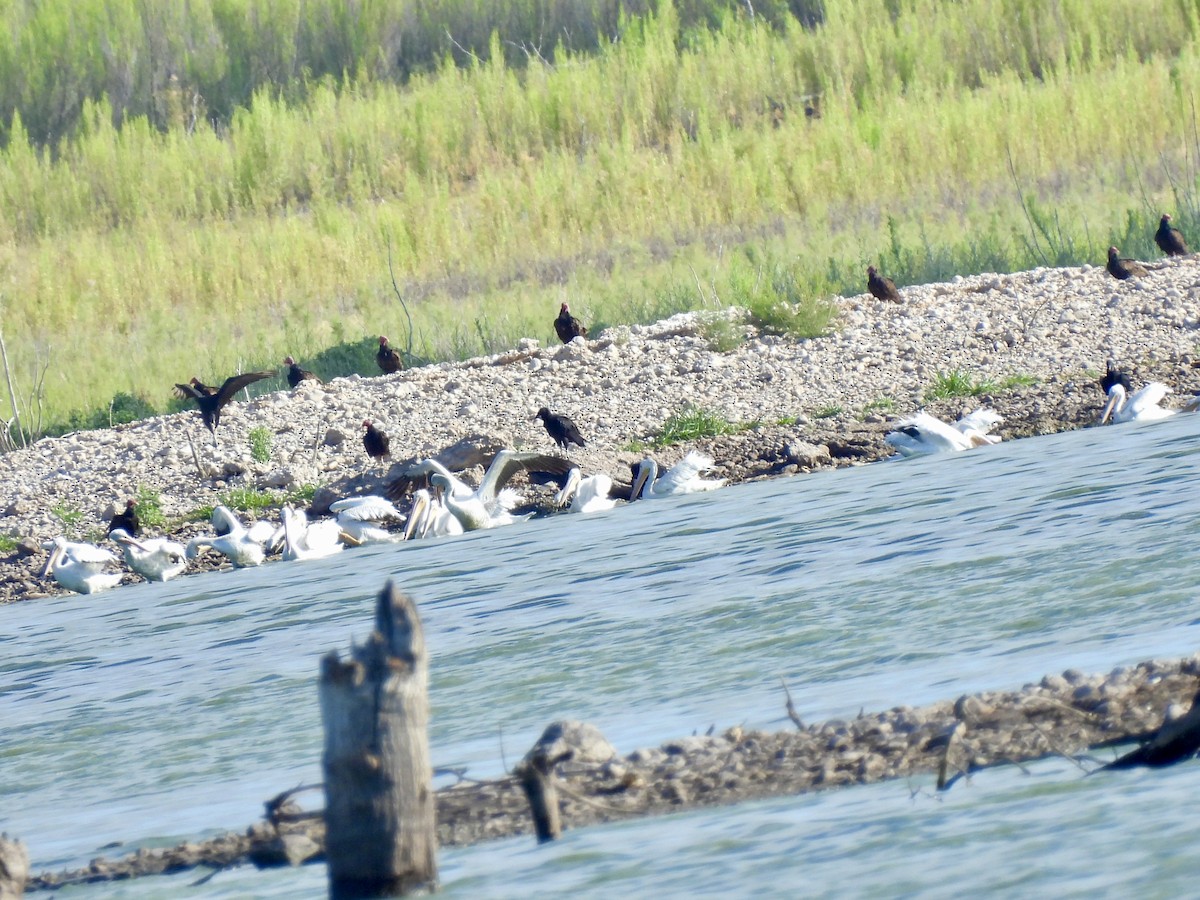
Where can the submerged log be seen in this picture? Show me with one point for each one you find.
(1176, 741)
(14, 868)
(381, 837)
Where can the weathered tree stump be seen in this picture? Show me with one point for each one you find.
(14, 868)
(381, 837)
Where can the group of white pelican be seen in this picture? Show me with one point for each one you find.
(922, 433)
(451, 507)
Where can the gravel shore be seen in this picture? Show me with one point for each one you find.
(838, 395)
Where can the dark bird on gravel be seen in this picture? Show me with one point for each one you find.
(211, 403)
(881, 288)
(1123, 269)
(295, 374)
(375, 442)
(126, 520)
(388, 359)
(1113, 376)
(1170, 240)
(567, 326)
(561, 429)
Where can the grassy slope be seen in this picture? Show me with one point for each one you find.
(619, 181)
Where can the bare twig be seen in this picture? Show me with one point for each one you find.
(791, 707)
(195, 456)
(12, 393)
(400, 297)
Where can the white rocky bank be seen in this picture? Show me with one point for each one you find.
(1051, 324)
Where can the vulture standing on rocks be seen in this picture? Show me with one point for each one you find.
(388, 359)
(211, 402)
(1123, 269)
(127, 520)
(1170, 240)
(375, 442)
(1112, 376)
(567, 326)
(295, 374)
(561, 429)
(881, 288)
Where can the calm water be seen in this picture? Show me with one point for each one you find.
(154, 713)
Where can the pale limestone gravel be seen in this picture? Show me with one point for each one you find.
(623, 386)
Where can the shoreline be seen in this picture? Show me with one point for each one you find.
(817, 402)
(1062, 714)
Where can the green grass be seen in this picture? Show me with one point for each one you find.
(8, 544)
(619, 175)
(692, 423)
(721, 334)
(68, 515)
(828, 412)
(149, 508)
(261, 439)
(244, 499)
(957, 383)
(879, 404)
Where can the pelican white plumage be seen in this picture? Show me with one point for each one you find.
(80, 567)
(473, 512)
(155, 559)
(430, 518)
(681, 478)
(491, 491)
(1140, 406)
(305, 540)
(586, 495)
(243, 546)
(361, 519)
(923, 433)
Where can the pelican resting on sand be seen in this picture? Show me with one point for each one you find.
(243, 546)
(922, 433)
(681, 478)
(586, 495)
(305, 540)
(80, 567)
(361, 519)
(1140, 406)
(155, 559)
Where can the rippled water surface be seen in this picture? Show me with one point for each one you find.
(154, 713)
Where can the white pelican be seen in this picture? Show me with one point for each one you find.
(1140, 406)
(504, 466)
(302, 540)
(243, 546)
(155, 559)
(473, 512)
(80, 567)
(978, 425)
(361, 518)
(923, 433)
(681, 478)
(430, 518)
(586, 495)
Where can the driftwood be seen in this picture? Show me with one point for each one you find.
(380, 830)
(1176, 741)
(14, 868)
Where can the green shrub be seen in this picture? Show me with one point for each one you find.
(249, 499)
(149, 507)
(261, 439)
